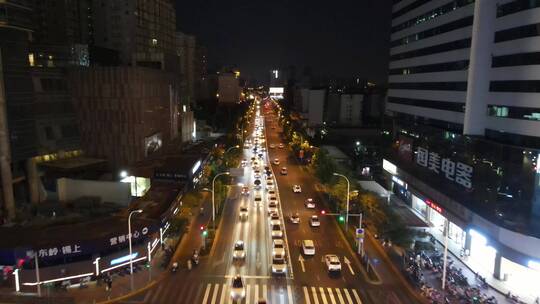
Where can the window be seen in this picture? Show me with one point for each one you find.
(516, 59)
(433, 104)
(409, 8)
(467, 21)
(515, 86)
(445, 47)
(443, 86)
(514, 112)
(519, 32)
(438, 67)
(442, 10)
(516, 6)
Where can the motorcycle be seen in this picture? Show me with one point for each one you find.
(174, 267)
(195, 257)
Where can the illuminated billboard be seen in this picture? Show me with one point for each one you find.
(276, 90)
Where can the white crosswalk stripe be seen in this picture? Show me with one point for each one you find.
(207, 293)
(214, 295)
(356, 296)
(323, 295)
(338, 292)
(223, 293)
(347, 295)
(328, 295)
(306, 295)
(314, 292)
(331, 294)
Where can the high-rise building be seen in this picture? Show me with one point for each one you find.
(186, 46)
(142, 31)
(463, 96)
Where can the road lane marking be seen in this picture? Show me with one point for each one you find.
(306, 295)
(356, 296)
(331, 295)
(347, 295)
(314, 293)
(301, 260)
(214, 294)
(323, 296)
(206, 293)
(289, 295)
(265, 291)
(348, 264)
(248, 289)
(256, 291)
(223, 293)
(338, 292)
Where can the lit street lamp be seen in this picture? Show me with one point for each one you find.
(129, 239)
(348, 193)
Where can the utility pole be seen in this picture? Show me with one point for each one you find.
(5, 151)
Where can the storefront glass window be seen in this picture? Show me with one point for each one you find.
(482, 254)
(521, 279)
(420, 207)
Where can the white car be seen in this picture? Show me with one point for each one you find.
(239, 251)
(295, 218)
(243, 212)
(272, 207)
(332, 262)
(279, 266)
(257, 175)
(271, 192)
(269, 185)
(238, 288)
(278, 248)
(276, 231)
(296, 189)
(257, 184)
(274, 219)
(272, 146)
(276, 162)
(309, 203)
(257, 200)
(314, 221)
(272, 199)
(308, 247)
(281, 146)
(245, 190)
(283, 171)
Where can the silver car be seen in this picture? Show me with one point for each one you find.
(238, 288)
(276, 231)
(279, 265)
(239, 251)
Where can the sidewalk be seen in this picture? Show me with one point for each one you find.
(143, 278)
(433, 279)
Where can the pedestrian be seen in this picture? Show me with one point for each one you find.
(537, 301)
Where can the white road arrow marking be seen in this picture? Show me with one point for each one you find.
(346, 261)
(301, 260)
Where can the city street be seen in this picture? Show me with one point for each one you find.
(307, 279)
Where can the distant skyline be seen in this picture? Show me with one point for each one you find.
(337, 39)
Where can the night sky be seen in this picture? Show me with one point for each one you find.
(337, 38)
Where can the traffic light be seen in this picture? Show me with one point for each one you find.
(341, 218)
(205, 233)
(323, 212)
(201, 228)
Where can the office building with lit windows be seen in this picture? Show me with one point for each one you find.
(463, 98)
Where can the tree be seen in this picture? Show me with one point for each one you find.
(339, 193)
(324, 165)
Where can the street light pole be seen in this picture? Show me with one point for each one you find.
(129, 239)
(348, 190)
(213, 197)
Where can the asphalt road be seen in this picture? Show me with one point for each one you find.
(307, 279)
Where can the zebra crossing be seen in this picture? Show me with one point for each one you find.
(272, 292)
